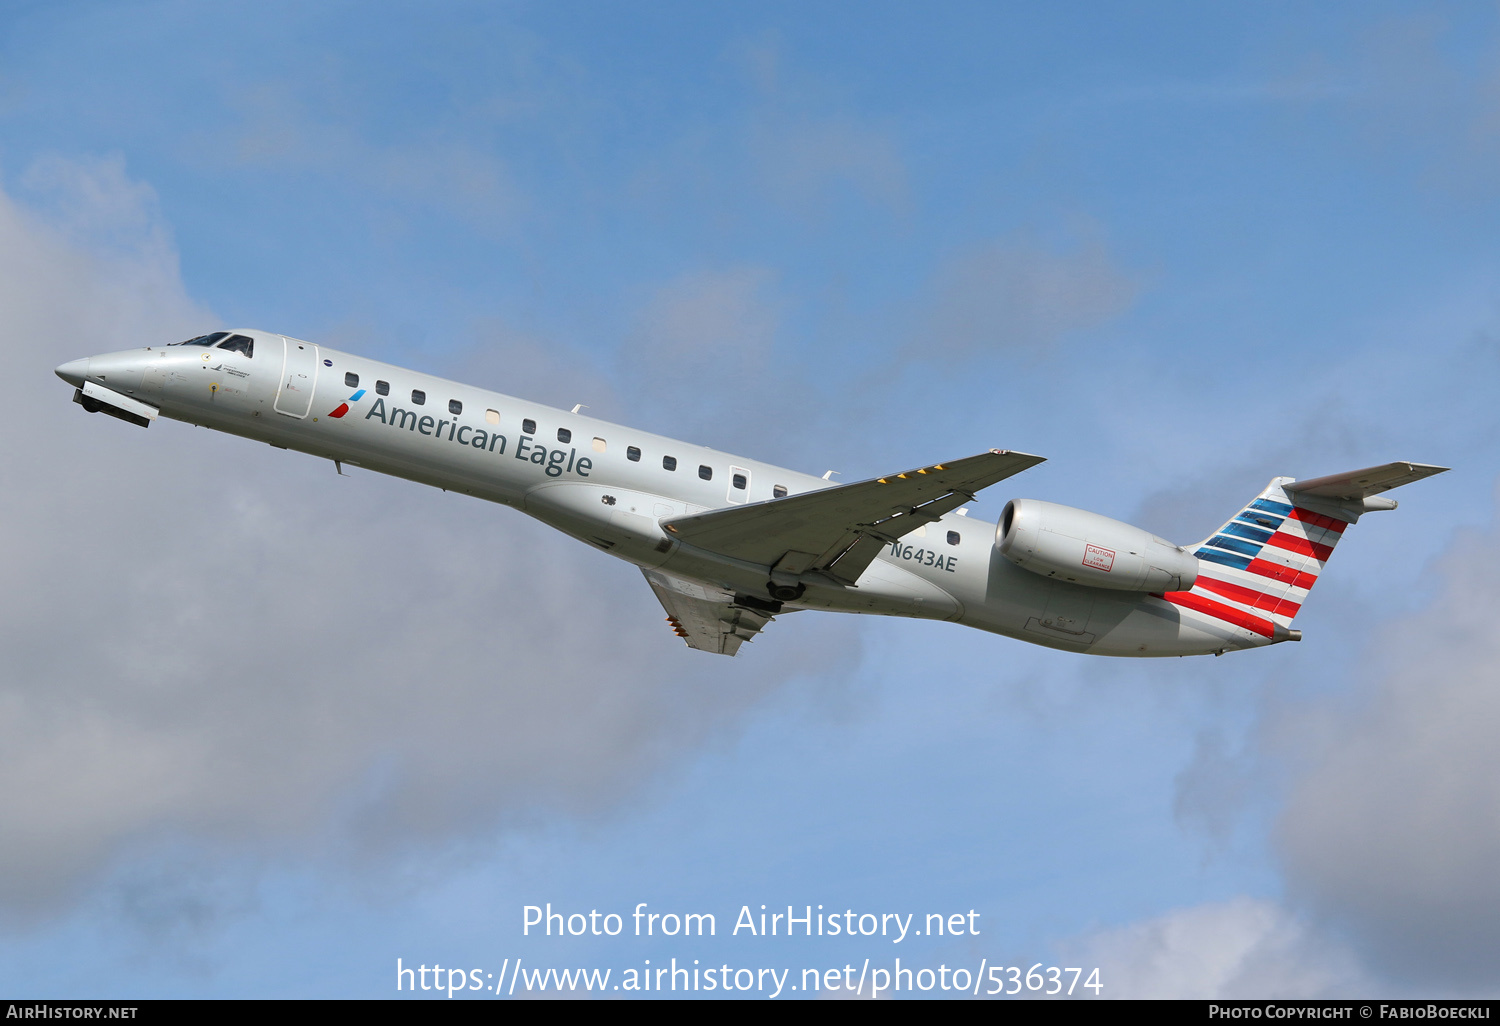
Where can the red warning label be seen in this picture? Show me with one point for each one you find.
(1098, 557)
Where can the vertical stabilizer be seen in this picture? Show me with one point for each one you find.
(1255, 572)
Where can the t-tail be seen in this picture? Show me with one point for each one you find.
(1255, 572)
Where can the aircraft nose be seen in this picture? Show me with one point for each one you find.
(73, 372)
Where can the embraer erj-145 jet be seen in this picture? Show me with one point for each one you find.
(727, 543)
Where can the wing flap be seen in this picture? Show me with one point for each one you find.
(708, 619)
(843, 527)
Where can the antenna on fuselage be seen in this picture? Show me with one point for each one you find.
(580, 406)
(829, 476)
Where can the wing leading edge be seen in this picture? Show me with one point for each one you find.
(835, 533)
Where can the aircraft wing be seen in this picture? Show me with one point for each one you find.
(706, 618)
(836, 532)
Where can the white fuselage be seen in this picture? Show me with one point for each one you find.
(611, 486)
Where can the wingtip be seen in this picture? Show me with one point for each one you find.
(1013, 452)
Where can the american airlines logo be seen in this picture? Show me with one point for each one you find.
(344, 406)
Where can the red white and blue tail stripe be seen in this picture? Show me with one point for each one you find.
(1254, 573)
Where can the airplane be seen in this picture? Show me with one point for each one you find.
(728, 543)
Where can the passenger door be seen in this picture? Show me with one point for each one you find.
(299, 375)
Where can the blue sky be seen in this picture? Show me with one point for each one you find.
(267, 729)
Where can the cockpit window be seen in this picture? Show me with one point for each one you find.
(239, 344)
(201, 340)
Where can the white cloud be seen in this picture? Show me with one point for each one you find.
(1425, 88)
(1393, 827)
(706, 351)
(710, 318)
(1214, 789)
(1019, 295)
(441, 167)
(805, 163)
(1242, 948)
(807, 146)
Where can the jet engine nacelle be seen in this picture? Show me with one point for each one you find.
(1085, 548)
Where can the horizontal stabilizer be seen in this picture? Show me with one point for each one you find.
(836, 532)
(1360, 484)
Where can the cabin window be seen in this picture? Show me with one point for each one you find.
(779, 492)
(633, 454)
(952, 537)
(600, 445)
(740, 482)
(351, 380)
(418, 397)
(382, 388)
(455, 407)
(706, 472)
(528, 427)
(669, 462)
(492, 416)
(564, 435)
(239, 344)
